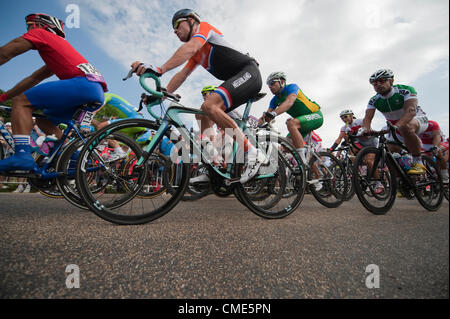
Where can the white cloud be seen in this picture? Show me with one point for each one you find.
(329, 48)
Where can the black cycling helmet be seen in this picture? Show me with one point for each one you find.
(184, 14)
(49, 23)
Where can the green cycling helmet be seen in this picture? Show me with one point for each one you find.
(208, 88)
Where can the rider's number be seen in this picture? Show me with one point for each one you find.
(87, 118)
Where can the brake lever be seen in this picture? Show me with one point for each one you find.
(129, 75)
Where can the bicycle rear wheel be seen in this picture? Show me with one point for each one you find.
(46, 187)
(280, 187)
(67, 163)
(429, 188)
(374, 181)
(125, 200)
(331, 177)
(197, 190)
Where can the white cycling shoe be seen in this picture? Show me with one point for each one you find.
(255, 160)
(199, 179)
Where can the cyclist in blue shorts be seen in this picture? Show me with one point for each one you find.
(79, 83)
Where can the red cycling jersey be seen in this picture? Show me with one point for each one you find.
(352, 128)
(61, 58)
(427, 136)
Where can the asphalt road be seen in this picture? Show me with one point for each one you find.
(216, 248)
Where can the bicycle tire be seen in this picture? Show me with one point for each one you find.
(67, 165)
(278, 206)
(195, 192)
(133, 210)
(362, 183)
(334, 189)
(47, 187)
(446, 190)
(429, 188)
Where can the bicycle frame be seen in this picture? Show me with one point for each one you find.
(310, 153)
(172, 117)
(386, 154)
(48, 160)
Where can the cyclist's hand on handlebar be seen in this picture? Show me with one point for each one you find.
(361, 131)
(147, 99)
(141, 68)
(269, 116)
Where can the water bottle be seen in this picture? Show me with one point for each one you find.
(47, 145)
(405, 161)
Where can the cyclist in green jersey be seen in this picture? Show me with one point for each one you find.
(306, 114)
(399, 105)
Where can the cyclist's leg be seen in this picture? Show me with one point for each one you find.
(293, 126)
(410, 133)
(442, 161)
(307, 123)
(231, 94)
(59, 100)
(22, 123)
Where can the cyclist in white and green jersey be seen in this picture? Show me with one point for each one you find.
(399, 105)
(306, 114)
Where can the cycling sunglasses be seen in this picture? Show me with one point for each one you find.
(177, 23)
(381, 81)
(272, 82)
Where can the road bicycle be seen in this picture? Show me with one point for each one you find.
(435, 156)
(46, 176)
(270, 182)
(377, 166)
(326, 176)
(345, 156)
(346, 153)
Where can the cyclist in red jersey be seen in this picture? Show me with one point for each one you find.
(80, 83)
(205, 45)
(431, 143)
(445, 158)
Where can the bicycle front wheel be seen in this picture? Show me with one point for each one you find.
(126, 199)
(374, 181)
(429, 188)
(327, 178)
(280, 186)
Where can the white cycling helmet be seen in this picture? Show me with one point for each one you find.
(276, 76)
(346, 112)
(381, 74)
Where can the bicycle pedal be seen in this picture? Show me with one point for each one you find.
(228, 182)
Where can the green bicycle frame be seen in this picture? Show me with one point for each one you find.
(172, 117)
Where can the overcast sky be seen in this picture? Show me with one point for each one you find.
(327, 47)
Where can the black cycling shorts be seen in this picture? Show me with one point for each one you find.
(242, 87)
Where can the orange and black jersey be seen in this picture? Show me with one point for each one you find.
(216, 55)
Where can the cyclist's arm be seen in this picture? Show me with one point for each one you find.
(340, 137)
(287, 104)
(178, 79)
(409, 111)
(14, 48)
(367, 121)
(338, 141)
(29, 82)
(184, 53)
(437, 138)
